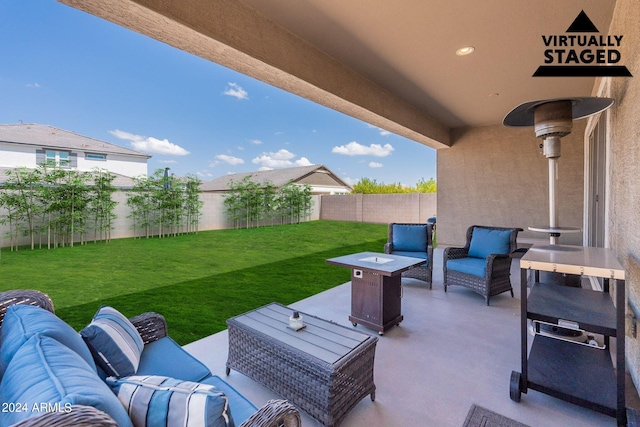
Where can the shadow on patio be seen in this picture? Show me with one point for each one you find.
(450, 352)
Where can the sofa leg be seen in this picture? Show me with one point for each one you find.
(487, 298)
(511, 292)
(445, 287)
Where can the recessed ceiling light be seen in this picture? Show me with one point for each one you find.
(465, 50)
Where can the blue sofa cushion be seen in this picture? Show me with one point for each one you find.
(45, 372)
(473, 266)
(21, 322)
(241, 408)
(485, 242)
(115, 343)
(166, 358)
(163, 401)
(409, 238)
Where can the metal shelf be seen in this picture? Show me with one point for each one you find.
(591, 310)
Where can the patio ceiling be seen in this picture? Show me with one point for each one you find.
(390, 63)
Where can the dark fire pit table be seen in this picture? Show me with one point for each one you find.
(376, 289)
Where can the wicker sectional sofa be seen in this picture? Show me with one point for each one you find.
(48, 374)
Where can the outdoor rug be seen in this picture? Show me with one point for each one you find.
(482, 417)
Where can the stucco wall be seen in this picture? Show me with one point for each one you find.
(624, 167)
(379, 208)
(495, 175)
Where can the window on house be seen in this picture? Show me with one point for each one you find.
(57, 158)
(94, 156)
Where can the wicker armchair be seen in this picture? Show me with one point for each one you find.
(484, 263)
(152, 327)
(414, 240)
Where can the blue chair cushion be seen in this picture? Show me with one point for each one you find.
(44, 372)
(115, 343)
(485, 241)
(409, 238)
(411, 254)
(21, 322)
(162, 401)
(166, 358)
(241, 408)
(473, 266)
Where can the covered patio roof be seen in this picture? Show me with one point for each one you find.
(391, 64)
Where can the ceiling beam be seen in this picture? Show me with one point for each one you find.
(236, 36)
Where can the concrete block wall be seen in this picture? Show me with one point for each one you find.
(213, 217)
(379, 208)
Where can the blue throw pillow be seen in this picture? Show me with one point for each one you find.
(485, 241)
(156, 401)
(21, 322)
(45, 375)
(409, 238)
(115, 343)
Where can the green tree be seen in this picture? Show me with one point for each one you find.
(371, 186)
(102, 204)
(24, 184)
(429, 186)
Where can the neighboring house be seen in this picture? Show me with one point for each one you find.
(318, 177)
(29, 145)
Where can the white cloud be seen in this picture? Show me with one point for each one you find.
(150, 144)
(375, 165)
(279, 159)
(383, 132)
(303, 161)
(355, 149)
(34, 84)
(235, 90)
(230, 159)
(255, 141)
(167, 161)
(349, 181)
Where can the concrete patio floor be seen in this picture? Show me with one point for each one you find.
(450, 352)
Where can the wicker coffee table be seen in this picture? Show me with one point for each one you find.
(325, 369)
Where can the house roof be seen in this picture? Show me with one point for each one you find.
(122, 182)
(51, 137)
(277, 177)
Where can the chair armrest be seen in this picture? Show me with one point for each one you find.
(498, 264)
(78, 415)
(455, 253)
(274, 414)
(388, 248)
(23, 296)
(151, 326)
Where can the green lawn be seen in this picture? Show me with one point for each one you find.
(195, 281)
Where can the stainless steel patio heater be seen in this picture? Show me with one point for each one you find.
(553, 119)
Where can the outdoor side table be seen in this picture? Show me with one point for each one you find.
(376, 287)
(325, 369)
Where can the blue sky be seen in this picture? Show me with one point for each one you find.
(71, 70)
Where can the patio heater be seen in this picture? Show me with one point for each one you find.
(553, 119)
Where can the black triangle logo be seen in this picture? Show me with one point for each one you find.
(582, 24)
